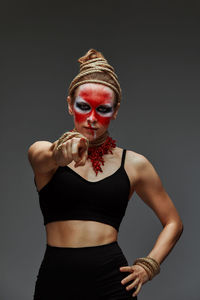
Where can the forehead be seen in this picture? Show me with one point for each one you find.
(95, 92)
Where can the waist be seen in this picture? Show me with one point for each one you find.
(79, 233)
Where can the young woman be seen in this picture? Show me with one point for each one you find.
(84, 182)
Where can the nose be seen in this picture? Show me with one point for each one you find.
(92, 117)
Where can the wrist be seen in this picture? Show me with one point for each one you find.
(53, 153)
(149, 264)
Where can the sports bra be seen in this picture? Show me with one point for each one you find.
(68, 196)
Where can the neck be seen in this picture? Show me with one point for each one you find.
(98, 141)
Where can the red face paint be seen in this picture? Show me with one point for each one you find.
(95, 96)
(95, 105)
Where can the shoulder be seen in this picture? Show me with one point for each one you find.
(39, 153)
(138, 163)
(137, 159)
(133, 158)
(39, 157)
(39, 145)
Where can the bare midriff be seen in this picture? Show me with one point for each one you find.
(79, 233)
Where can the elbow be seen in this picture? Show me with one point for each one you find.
(179, 229)
(176, 227)
(180, 225)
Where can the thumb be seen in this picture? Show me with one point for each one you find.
(85, 156)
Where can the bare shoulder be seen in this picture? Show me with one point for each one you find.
(39, 157)
(38, 146)
(35, 149)
(38, 152)
(146, 174)
(136, 158)
(136, 163)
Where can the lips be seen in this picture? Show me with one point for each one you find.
(91, 128)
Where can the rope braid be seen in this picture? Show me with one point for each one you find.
(151, 266)
(69, 135)
(90, 65)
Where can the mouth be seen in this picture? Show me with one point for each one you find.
(90, 128)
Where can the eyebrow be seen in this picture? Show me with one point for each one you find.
(106, 104)
(79, 99)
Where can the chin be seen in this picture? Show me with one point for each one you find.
(90, 137)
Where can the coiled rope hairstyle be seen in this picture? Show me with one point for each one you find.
(95, 68)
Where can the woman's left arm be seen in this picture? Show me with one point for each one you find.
(150, 189)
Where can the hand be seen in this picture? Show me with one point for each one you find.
(138, 274)
(73, 149)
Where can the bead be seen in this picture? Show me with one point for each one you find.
(95, 154)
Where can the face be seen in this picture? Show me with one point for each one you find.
(93, 109)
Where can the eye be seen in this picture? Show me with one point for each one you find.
(104, 109)
(83, 106)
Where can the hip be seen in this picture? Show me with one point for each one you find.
(82, 273)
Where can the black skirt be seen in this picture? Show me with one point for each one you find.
(83, 273)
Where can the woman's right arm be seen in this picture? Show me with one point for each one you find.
(41, 158)
(44, 157)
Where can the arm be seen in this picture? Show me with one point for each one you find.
(45, 158)
(150, 189)
(40, 155)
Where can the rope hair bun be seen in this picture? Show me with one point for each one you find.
(95, 68)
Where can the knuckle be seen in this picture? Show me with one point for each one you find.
(73, 141)
(74, 151)
(133, 268)
(68, 142)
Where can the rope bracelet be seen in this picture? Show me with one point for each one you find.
(68, 135)
(151, 266)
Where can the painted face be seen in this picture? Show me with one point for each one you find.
(94, 105)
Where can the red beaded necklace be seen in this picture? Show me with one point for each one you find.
(95, 154)
(98, 148)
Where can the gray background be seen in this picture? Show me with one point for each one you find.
(154, 47)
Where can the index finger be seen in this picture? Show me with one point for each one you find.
(126, 269)
(83, 140)
(83, 144)
(83, 160)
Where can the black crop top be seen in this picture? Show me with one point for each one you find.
(68, 196)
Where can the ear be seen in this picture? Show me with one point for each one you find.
(114, 116)
(70, 105)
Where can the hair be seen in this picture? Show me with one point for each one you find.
(95, 68)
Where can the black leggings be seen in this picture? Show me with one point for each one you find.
(83, 273)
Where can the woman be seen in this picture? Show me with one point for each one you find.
(84, 182)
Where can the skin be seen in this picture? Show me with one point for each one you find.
(93, 107)
(144, 180)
